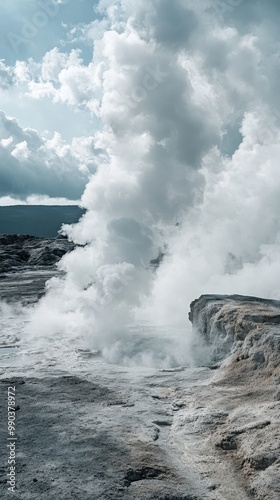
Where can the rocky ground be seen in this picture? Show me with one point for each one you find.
(98, 431)
(79, 439)
(25, 251)
(26, 263)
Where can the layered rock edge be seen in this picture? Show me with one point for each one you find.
(235, 420)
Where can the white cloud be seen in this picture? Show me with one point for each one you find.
(6, 201)
(6, 142)
(21, 151)
(6, 76)
(31, 164)
(21, 72)
(64, 78)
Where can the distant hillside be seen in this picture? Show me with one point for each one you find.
(37, 220)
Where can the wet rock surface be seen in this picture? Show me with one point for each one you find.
(25, 251)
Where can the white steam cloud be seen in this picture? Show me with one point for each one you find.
(190, 168)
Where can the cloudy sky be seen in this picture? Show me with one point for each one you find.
(164, 118)
(71, 68)
(47, 99)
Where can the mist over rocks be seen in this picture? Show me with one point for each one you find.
(101, 430)
(186, 116)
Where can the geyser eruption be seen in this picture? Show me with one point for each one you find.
(187, 166)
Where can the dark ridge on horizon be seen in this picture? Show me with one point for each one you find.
(43, 221)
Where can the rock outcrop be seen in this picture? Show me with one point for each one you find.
(238, 414)
(25, 251)
(246, 327)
